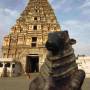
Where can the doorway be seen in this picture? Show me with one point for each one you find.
(32, 64)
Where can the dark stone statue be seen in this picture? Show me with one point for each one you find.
(59, 71)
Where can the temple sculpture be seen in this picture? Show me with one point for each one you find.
(26, 41)
(59, 71)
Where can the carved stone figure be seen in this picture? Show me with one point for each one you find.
(59, 71)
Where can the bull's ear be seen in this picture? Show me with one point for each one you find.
(66, 31)
(72, 41)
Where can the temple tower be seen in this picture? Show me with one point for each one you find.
(26, 41)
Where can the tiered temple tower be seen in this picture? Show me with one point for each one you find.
(26, 41)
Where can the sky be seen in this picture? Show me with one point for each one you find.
(72, 15)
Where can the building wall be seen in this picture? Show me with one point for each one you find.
(84, 64)
(40, 52)
(0, 53)
(30, 33)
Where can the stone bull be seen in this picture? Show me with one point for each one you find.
(59, 71)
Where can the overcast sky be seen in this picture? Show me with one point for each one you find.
(73, 15)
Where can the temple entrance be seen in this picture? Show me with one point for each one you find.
(32, 64)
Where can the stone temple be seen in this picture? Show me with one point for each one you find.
(26, 40)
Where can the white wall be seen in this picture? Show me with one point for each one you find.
(84, 63)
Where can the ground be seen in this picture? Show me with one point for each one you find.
(22, 83)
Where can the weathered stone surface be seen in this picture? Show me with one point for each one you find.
(37, 20)
(60, 71)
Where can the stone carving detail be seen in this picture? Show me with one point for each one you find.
(37, 20)
(59, 71)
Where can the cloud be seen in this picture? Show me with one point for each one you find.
(86, 12)
(86, 4)
(7, 16)
(85, 8)
(78, 27)
(7, 19)
(8, 12)
(51, 1)
(57, 5)
(83, 49)
(80, 31)
(65, 5)
(76, 24)
(12, 4)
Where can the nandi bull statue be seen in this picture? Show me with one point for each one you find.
(59, 71)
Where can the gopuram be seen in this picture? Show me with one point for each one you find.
(26, 41)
